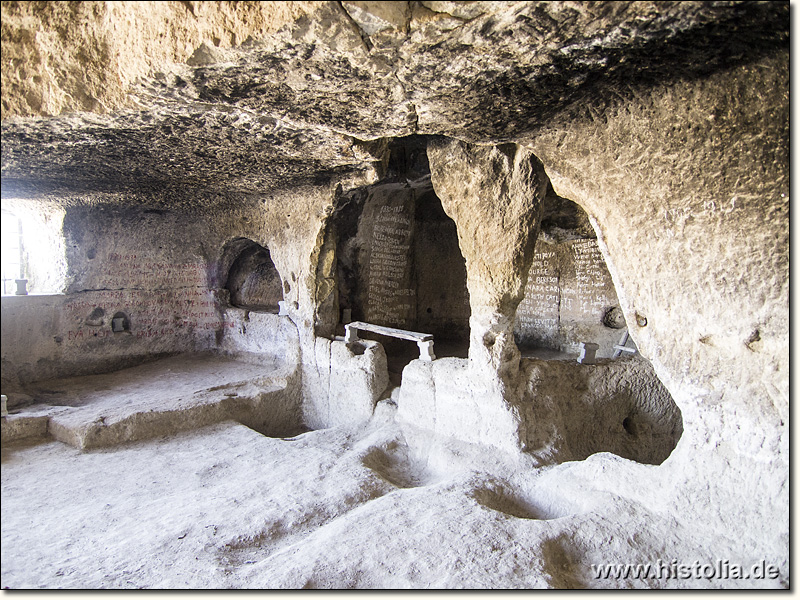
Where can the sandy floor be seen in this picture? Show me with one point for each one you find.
(143, 386)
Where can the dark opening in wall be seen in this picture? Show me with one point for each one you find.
(570, 297)
(120, 322)
(617, 405)
(398, 261)
(252, 280)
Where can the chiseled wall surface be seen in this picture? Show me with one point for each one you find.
(147, 266)
(157, 267)
(569, 292)
(55, 336)
(399, 263)
(688, 187)
(572, 411)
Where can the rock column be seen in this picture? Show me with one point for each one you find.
(494, 194)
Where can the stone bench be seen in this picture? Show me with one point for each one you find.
(424, 340)
(623, 346)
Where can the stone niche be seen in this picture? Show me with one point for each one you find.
(250, 277)
(570, 297)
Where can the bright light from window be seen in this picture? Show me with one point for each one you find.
(12, 263)
(33, 247)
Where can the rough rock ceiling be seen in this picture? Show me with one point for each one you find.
(312, 102)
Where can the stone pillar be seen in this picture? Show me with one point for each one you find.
(587, 353)
(494, 194)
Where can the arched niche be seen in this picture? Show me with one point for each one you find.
(398, 263)
(569, 297)
(617, 405)
(250, 277)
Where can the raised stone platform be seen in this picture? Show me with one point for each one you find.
(159, 398)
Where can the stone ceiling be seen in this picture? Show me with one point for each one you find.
(311, 101)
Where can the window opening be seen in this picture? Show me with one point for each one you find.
(12, 253)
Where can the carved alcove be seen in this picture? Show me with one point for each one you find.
(250, 277)
(569, 297)
(398, 261)
(616, 404)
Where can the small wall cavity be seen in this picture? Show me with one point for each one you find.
(250, 276)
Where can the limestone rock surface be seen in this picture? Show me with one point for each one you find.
(83, 56)
(494, 194)
(150, 134)
(485, 72)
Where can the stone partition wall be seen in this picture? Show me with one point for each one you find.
(342, 382)
(572, 411)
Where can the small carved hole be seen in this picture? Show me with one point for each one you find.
(357, 348)
(629, 426)
(120, 323)
(614, 318)
(488, 339)
(95, 319)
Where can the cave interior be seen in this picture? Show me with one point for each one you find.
(188, 228)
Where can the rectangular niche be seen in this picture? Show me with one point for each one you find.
(399, 263)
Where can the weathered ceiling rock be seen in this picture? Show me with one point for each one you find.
(666, 121)
(83, 56)
(484, 72)
(145, 153)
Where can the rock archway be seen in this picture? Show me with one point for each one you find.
(398, 264)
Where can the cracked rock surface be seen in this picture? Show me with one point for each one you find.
(287, 107)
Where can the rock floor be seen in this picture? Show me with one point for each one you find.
(373, 506)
